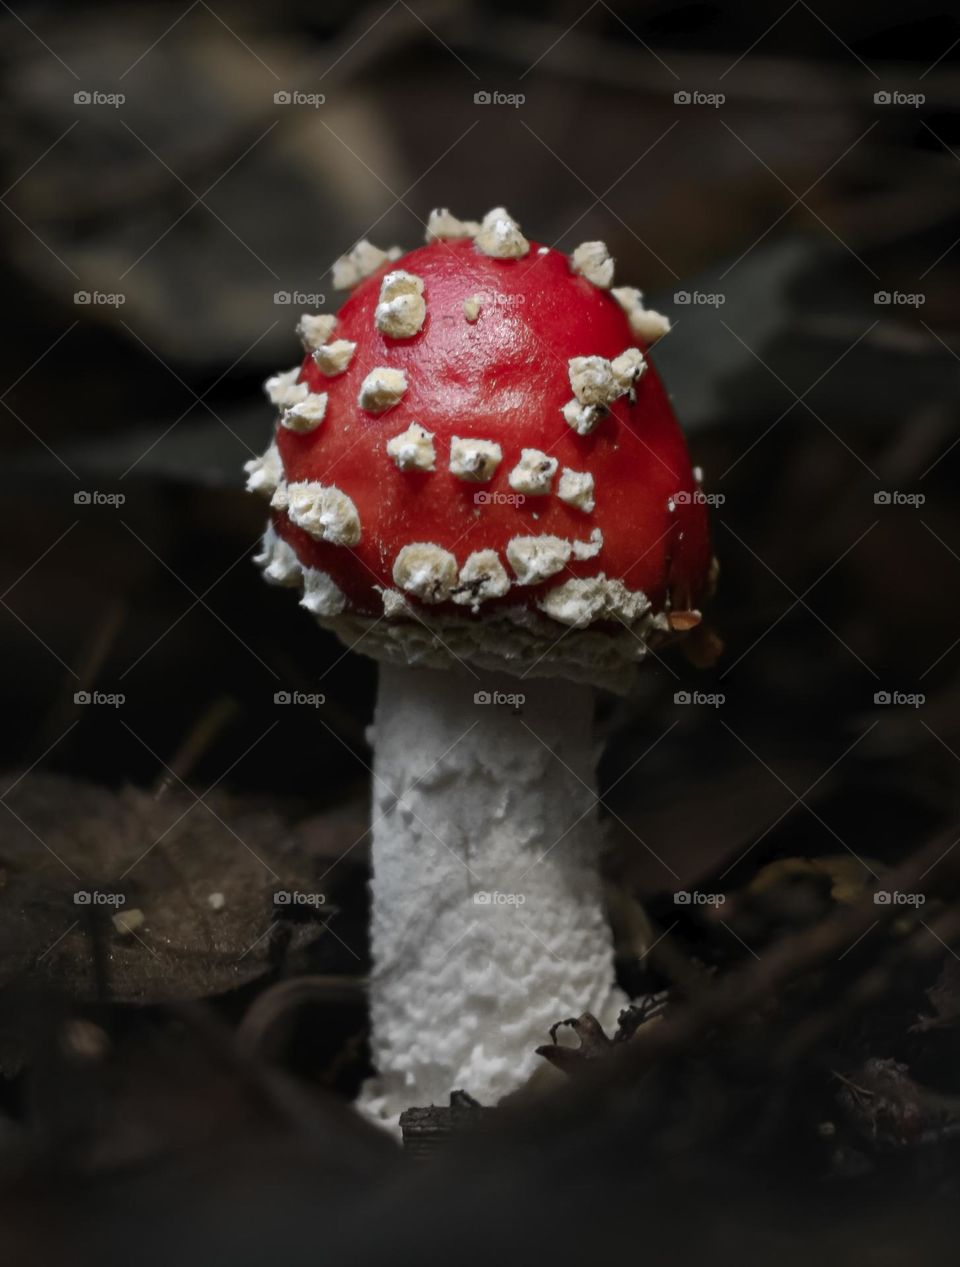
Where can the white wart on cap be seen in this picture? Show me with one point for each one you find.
(401, 310)
(382, 389)
(593, 261)
(323, 511)
(334, 358)
(646, 323)
(426, 571)
(499, 235)
(315, 330)
(474, 460)
(364, 260)
(412, 450)
(533, 474)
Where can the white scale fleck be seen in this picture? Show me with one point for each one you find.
(315, 330)
(471, 308)
(284, 390)
(382, 389)
(594, 262)
(265, 472)
(321, 594)
(582, 418)
(482, 577)
(412, 450)
(646, 323)
(442, 225)
(582, 600)
(474, 460)
(576, 488)
(627, 367)
(536, 559)
(426, 571)
(534, 473)
(588, 549)
(277, 559)
(597, 383)
(307, 415)
(323, 511)
(593, 380)
(334, 358)
(500, 236)
(361, 262)
(401, 310)
(394, 603)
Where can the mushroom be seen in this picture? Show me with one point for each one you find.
(498, 506)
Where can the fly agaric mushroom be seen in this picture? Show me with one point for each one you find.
(477, 479)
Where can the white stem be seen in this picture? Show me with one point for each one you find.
(488, 919)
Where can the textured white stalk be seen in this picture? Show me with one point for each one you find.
(488, 921)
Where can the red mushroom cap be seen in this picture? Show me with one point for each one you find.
(477, 440)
